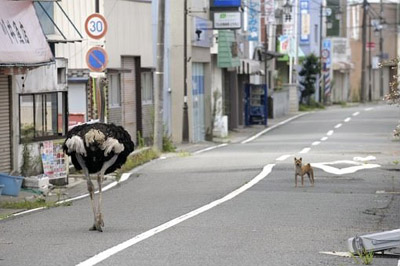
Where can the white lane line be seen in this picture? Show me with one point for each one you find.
(123, 178)
(283, 157)
(338, 125)
(330, 133)
(347, 119)
(356, 113)
(305, 150)
(270, 128)
(124, 245)
(324, 138)
(369, 109)
(210, 148)
(315, 143)
(398, 263)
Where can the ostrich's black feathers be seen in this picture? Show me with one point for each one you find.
(95, 157)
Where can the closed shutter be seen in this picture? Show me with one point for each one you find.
(5, 125)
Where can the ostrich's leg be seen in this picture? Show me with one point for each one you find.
(100, 177)
(89, 186)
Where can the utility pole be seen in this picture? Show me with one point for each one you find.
(381, 49)
(185, 125)
(363, 50)
(322, 82)
(159, 79)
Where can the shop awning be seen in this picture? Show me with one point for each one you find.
(21, 37)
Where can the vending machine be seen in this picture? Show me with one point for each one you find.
(256, 108)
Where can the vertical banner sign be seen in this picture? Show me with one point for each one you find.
(253, 20)
(327, 61)
(305, 20)
(269, 8)
(284, 44)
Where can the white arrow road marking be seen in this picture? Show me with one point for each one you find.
(348, 170)
(124, 245)
(364, 159)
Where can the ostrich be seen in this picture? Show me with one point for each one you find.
(97, 148)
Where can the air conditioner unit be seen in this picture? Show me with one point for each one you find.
(375, 242)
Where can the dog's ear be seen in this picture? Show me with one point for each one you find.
(301, 159)
(295, 158)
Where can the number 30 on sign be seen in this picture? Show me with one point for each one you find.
(96, 26)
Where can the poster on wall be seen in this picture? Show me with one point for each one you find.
(54, 164)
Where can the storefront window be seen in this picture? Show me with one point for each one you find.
(42, 116)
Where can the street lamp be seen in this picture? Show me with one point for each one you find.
(287, 10)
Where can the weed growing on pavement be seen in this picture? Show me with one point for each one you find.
(364, 257)
(135, 160)
(28, 205)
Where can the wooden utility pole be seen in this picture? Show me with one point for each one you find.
(159, 79)
(363, 50)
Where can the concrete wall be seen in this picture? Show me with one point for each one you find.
(280, 103)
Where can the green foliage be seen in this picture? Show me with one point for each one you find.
(168, 145)
(364, 257)
(137, 159)
(313, 105)
(28, 205)
(311, 68)
(140, 143)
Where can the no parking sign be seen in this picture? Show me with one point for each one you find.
(97, 59)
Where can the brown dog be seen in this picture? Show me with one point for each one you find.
(302, 170)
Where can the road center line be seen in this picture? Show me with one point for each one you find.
(324, 138)
(347, 119)
(305, 150)
(315, 143)
(338, 125)
(330, 133)
(356, 113)
(124, 245)
(283, 157)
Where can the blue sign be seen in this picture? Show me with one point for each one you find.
(253, 20)
(97, 59)
(226, 3)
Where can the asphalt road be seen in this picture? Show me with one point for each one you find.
(176, 211)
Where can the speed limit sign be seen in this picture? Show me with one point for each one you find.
(96, 26)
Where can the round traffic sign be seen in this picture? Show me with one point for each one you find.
(325, 54)
(97, 59)
(96, 26)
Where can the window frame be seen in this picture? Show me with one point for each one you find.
(63, 110)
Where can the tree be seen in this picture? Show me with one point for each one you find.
(311, 68)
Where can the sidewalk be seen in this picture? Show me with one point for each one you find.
(77, 184)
